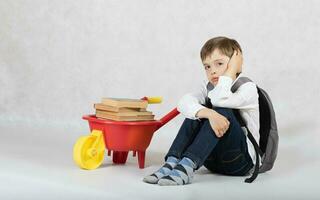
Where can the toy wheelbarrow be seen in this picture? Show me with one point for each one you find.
(118, 137)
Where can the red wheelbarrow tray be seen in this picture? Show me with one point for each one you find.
(124, 136)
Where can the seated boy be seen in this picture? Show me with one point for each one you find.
(210, 135)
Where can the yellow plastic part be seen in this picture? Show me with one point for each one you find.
(88, 152)
(154, 100)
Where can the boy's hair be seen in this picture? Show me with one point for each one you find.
(224, 44)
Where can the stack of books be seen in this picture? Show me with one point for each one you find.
(121, 109)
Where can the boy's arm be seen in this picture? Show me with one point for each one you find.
(191, 103)
(246, 97)
(234, 65)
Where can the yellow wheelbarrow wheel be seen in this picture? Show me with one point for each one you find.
(88, 152)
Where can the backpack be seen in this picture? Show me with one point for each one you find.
(267, 147)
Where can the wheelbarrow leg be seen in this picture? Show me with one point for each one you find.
(119, 157)
(141, 158)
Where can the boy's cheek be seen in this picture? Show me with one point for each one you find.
(224, 69)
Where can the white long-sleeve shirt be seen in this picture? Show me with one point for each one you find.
(245, 99)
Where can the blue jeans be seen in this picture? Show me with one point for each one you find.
(226, 155)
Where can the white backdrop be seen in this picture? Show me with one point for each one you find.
(58, 58)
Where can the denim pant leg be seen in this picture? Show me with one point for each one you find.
(230, 156)
(188, 130)
(207, 142)
(202, 145)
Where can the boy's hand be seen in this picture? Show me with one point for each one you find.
(234, 65)
(219, 123)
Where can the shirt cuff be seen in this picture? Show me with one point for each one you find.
(196, 109)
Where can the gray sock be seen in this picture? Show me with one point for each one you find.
(181, 174)
(163, 171)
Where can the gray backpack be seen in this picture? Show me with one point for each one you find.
(267, 147)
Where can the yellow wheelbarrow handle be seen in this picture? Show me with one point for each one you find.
(153, 100)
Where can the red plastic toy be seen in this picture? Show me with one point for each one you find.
(119, 137)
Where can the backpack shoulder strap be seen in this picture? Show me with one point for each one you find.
(235, 87)
(241, 80)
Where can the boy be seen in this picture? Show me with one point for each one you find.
(211, 135)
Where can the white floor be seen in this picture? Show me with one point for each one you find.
(36, 163)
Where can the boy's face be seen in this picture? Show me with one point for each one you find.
(215, 65)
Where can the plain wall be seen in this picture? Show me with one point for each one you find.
(58, 58)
